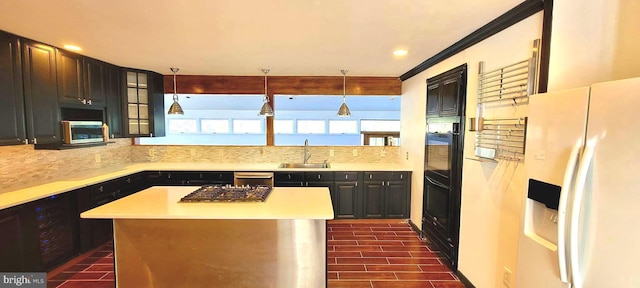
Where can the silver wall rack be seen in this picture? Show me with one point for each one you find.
(511, 82)
(500, 138)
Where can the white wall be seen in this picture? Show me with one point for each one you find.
(491, 193)
(594, 41)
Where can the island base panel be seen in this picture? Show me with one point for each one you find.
(220, 253)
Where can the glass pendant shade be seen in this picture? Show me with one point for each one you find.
(175, 108)
(344, 111)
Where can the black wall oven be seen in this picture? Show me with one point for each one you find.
(441, 195)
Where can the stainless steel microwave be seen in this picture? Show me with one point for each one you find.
(76, 132)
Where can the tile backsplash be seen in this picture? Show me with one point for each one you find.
(22, 166)
(265, 154)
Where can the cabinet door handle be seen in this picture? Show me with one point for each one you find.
(382, 183)
(318, 176)
(370, 176)
(289, 175)
(356, 184)
(346, 176)
(401, 176)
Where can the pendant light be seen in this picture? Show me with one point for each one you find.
(344, 109)
(266, 109)
(175, 108)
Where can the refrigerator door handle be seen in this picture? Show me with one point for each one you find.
(569, 173)
(581, 180)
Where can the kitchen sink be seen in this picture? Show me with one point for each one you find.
(304, 165)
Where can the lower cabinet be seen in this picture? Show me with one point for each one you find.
(347, 196)
(357, 194)
(187, 178)
(39, 235)
(288, 179)
(386, 195)
(95, 232)
(19, 244)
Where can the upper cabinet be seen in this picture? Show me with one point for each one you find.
(40, 93)
(94, 82)
(445, 91)
(12, 121)
(80, 80)
(113, 95)
(144, 104)
(70, 84)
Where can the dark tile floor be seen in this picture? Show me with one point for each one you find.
(360, 253)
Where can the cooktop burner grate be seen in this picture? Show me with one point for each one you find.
(215, 193)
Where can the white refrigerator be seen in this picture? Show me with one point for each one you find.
(583, 154)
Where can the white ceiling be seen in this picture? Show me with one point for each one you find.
(239, 37)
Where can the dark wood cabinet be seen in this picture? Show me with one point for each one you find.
(94, 82)
(288, 179)
(70, 77)
(95, 232)
(386, 195)
(190, 178)
(445, 91)
(12, 121)
(40, 93)
(143, 103)
(433, 98)
(396, 200)
(19, 248)
(347, 196)
(80, 80)
(113, 95)
(373, 199)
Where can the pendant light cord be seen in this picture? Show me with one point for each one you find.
(344, 85)
(175, 90)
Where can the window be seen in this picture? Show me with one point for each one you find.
(213, 120)
(247, 126)
(283, 126)
(311, 127)
(214, 126)
(343, 127)
(182, 126)
(380, 125)
(314, 117)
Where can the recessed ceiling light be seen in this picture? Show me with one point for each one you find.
(72, 47)
(400, 52)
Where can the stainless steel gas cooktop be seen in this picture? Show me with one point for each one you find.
(228, 193)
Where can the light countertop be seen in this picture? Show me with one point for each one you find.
(161, 202)
(31, 192)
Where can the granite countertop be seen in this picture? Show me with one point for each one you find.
(162, 202)
(31, 192)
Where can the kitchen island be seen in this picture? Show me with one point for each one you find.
(160, 242)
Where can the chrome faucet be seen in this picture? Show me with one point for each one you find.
(307, 154)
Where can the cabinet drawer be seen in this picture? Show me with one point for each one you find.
(385, 176)
(288, 176)
(218, 177)
(346, 176)
(318, 176)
